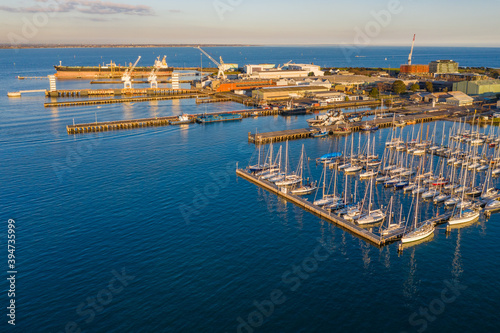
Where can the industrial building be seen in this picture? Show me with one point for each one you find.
(443, 67)
(330, 96)
(414, 69)
(278, 74)
(458, 98)
(244, 85)
(285, 92)
(310, 68)
(480, 87)
(250, 69)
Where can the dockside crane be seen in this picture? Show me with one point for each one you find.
(127, 75)
(152, 78)
(220, 65)
(286, 64)
(411, 52)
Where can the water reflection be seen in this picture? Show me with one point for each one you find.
(410, 285)
(456, 265)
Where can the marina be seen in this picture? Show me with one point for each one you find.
(457, 172)
(203, 213)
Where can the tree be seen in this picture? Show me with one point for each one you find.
(310, 74)
(414, 87)
(374, 93)
(346, 99)
(429, 86)
(399, 87)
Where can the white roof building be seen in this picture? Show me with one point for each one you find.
(307, 67)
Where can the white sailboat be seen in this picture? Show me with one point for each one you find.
(373, 216)
(394, 228)
(419, 232)
(465, 216)
(303, 189)
(326, 199)
(288, 179)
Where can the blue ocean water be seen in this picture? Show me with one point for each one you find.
(149, 230)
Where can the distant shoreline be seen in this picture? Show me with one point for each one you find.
(95, 46)
(5, 46)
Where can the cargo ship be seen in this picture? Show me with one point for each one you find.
(218, 118)
(111, 70)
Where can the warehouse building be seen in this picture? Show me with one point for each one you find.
(233, 85)
(443, 67)
(480, 87)
(414, 69)
(278, 74)
(458, 98)
(250, 69)
(285, 92)
(309, 68)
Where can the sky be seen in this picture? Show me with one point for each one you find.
(312, 22)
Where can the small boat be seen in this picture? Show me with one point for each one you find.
(353, 169)
(394, 228)
(374, 216)
(400, 123)
(492, 206)
(183, 119)
(368, 127)
(465, 216)
(336, 205)
(482, 168)
(391, 182)
(430, 194)
(305, 189)
(441, 198)
(474, 192)
(401, 184)
(419, 233)
(440, 182)
(382, 179)
(342, 131)
(320, 134)
(410, 187)
(328, 199)
(205, 119)
(289, 180)
(451, 201)
(419, 190)
(419, 152)
(367, 174)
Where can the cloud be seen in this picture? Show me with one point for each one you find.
(83, 6)
(175, 11)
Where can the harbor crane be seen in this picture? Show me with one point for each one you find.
(284, 65)
(411, 52)
(220, 65)
(127, 75)
(152, 78)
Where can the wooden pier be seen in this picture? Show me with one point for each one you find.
(174, 95)
(151, 122)
(324, 214)
(212, 100)
(264, 138)
(119, 92)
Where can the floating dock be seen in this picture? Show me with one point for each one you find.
(324, 214)
(264, 138)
